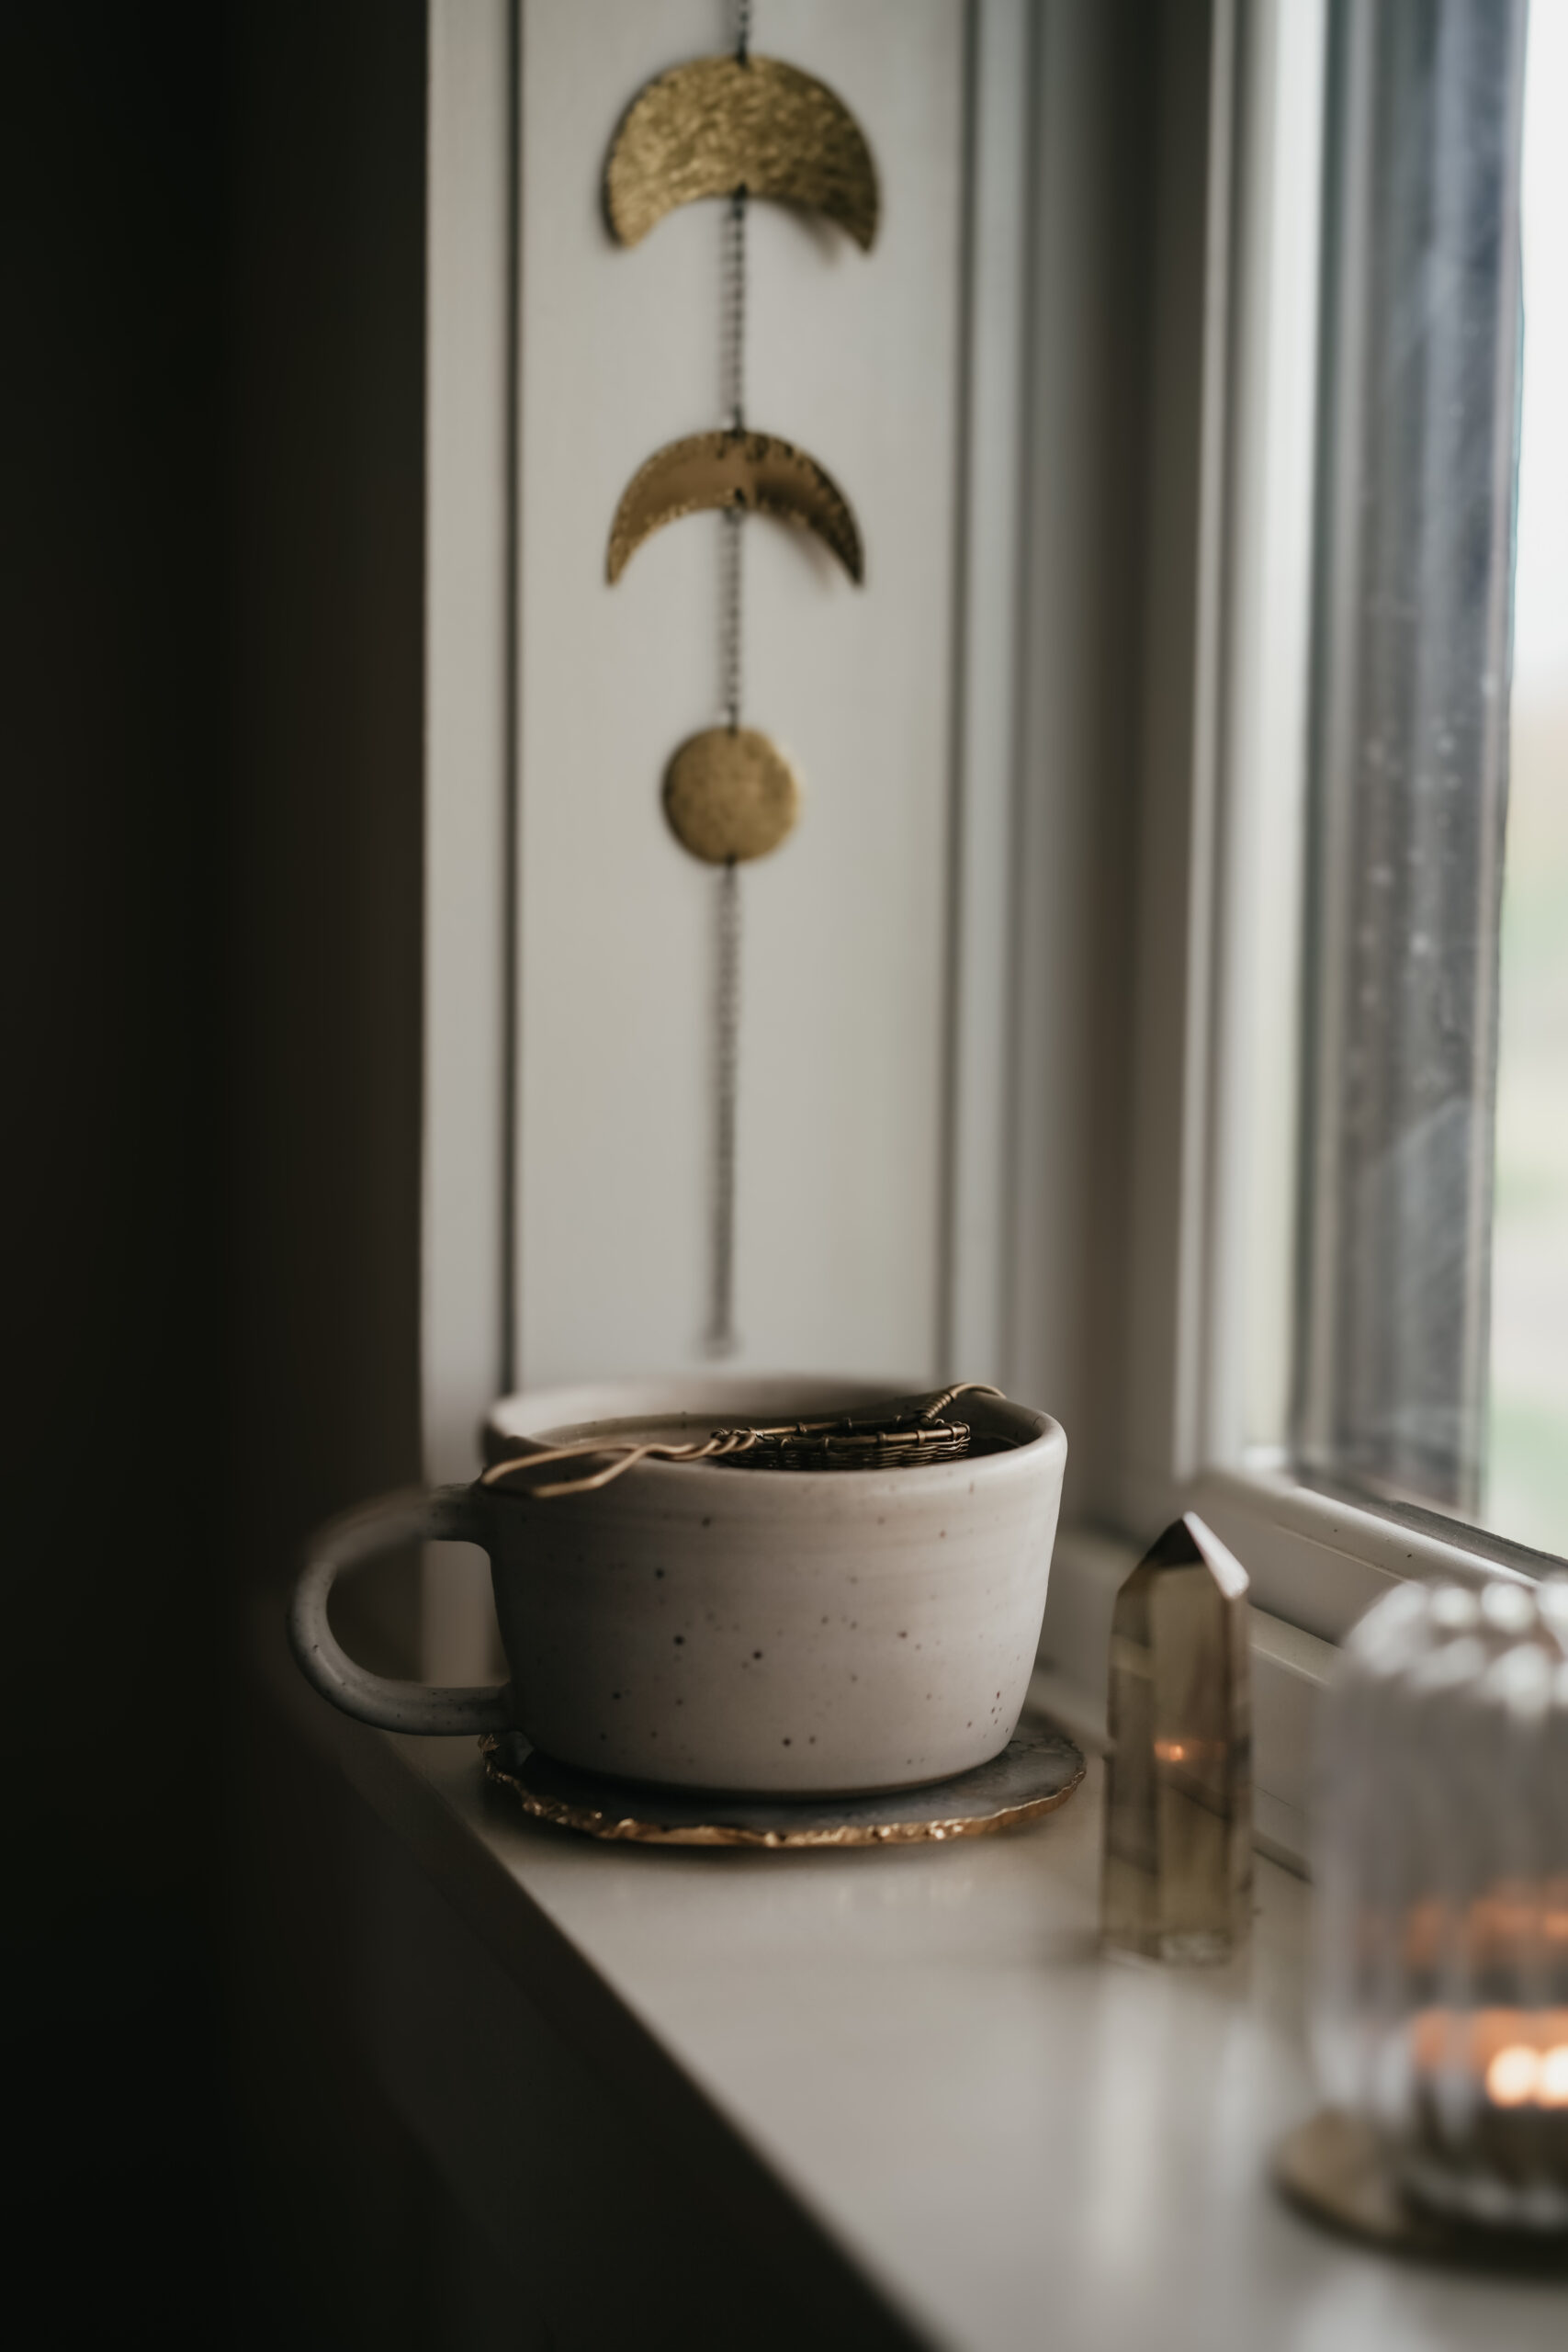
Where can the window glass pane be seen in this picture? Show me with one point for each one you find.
(1408, 751)
(1527, 1494)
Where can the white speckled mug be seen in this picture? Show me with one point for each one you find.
(767, 1631)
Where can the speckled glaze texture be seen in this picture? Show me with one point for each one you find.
(768, 1630)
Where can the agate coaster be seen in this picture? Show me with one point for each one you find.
(1036, 1772)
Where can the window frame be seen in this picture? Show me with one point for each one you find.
(1318, 1559)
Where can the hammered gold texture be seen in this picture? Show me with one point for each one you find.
(754, 472)
(730, 794)
(716, 125)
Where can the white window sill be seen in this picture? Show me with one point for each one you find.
(1011, 2141)
(1319, 1561)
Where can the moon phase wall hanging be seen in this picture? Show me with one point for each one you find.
(735, 128)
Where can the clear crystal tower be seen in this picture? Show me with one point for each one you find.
(1178, 1872)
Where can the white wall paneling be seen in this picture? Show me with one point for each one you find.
(855, 357)
(1181, 724)
(933, 978)
(994, 328)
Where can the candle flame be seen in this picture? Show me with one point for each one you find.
(1511, 2077)
(1520, 2055)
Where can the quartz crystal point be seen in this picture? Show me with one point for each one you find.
(1177, 1871)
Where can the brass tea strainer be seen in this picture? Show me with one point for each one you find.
(901, 1434)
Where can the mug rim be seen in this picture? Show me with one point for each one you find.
(643, 1396)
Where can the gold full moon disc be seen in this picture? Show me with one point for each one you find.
(731, 794)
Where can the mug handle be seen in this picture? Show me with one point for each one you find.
(450, 1514)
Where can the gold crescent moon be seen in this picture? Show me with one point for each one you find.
(716, 125)
(756, 471)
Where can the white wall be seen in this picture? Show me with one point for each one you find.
(855, 357)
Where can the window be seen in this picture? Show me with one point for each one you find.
(1320, 828)
(1429, 1363)
(1407, 764)
(1365, 1375)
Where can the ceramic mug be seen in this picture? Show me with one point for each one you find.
(703, 1626)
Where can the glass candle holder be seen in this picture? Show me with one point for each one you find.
(1441, 1962)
